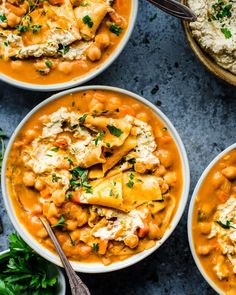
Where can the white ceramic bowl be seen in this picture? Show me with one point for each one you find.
(97, 267)
(61, 285)
(87, 77)
(190, 219)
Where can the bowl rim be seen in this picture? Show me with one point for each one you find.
(86, 77)
(60, 275)
(203, 57)
(190, 218)
(98, 267)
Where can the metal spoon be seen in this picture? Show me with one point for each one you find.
(76, 284)
(175, 8)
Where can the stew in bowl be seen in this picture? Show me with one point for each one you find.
(109, 174)
(212, 223)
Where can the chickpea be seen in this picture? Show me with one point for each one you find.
(217, 179)
(42, 233)
(204, 249)
(102, 40)
(82, 218)
(13, 20)
(170, 178)
(100, 97)
(95, 105)
(58, 197)
(71, 224)
(113, 103)
(154, 232)
(16, 65)
(165, 157)
(84, 250)
(205, 227)
(94, 53)
(44, 119)
(143, 117)
(229, 172)
(37, 209)
(160, 171)
(29, 178)
(131, 241)
(42, 67)
(39, 184)
(52, 211)
(65, 67)
(136, 106)
(106, 261)
(140, 167)
(30, 135)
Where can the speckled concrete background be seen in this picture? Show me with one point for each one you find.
(158, 64)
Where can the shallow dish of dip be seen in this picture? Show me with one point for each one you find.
(211, 223)
(113, 182)
(212, 36)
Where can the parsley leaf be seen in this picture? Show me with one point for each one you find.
(63, 49)
(88, 21)
(36, 28)
(114, 131)
(226, 32)
(99, 137)
(116, 29)
(82, 119)
(3, 18)
(95, 247)
(61, 222)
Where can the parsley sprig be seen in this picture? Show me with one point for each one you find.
(22, 271)
(2, 147)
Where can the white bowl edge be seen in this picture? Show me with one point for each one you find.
(86, 77)
(190, 219)
(97, 267)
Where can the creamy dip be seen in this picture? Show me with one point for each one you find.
(215, 30)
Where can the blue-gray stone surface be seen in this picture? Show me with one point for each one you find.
(158, 64)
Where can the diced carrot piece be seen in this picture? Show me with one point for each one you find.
(84, 250)
(102, 247)
(76, 197)
(143, 231)
(214, 244)
(45, 193)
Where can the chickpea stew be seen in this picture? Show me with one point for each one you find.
(102, 168)
(214, 223)
(56, 41)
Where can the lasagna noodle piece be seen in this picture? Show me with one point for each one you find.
(111, 138)
(124, 191)
(119, 153)
(90, 16)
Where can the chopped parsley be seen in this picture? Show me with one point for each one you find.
(55, 178)
(226, 32)
(116, 29)
(82, 119)
(55, 149)
(114, 131)
(88, 21)
(130, 183)
(36, 28)
(221, 10)
(61, 222)
(63, 49)
(3, 18)
(69, 160)
(41, 72)
(79, 178)
(89, 190)
(48, 63)
(226, 225)
(95, 247)
(71, 240)
(23, 29)
(108, 144)
(99, 137)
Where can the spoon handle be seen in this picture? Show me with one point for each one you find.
(76, 284)
(175, 8)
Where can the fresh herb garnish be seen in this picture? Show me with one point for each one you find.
(25, 272)
(116, 29)
(3, 18)
(130, 183)
(99, 137)
(36, 28)
(63, 49)
(88, 21)
(69, 160)
(82, 119)
(226, 225)
(55, 149)
(61, 222)
(79, 178)
(108, 145)
(221, 10)
(55, 178)
(71, 240)
(114, 131)
(95, 247)
(226, 32)
(48, 63)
